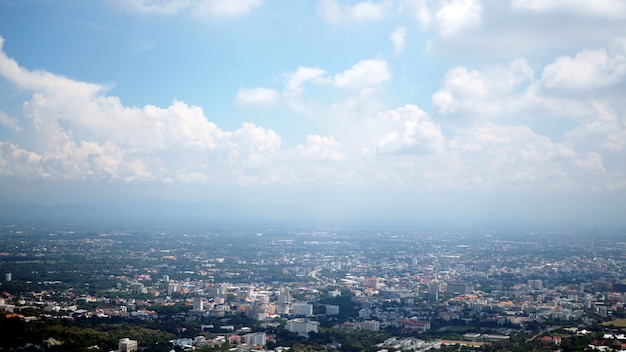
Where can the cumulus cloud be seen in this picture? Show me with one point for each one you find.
(587, 70)
(406, 130)
(489, 154)
(361, 77)
(604, 8)
(200, 8)
(74, 130)
(261, 96)
(319, 148)
(422, 11)
(398, 39)
(450, 17)
(333, 12)
(296, 79)
(490, 29)
(603, 130)
(561, 90)
(8, 122)
(363, 74)
(456, 16)
(495, 90)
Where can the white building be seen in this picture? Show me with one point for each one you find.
(255, 339)
(302, 326)
(370, 325)
(304, 309)
(127, 345)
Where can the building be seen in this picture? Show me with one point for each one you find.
(332, 310)
(371, 282)
(127, 345)
(460, 288)
(535, 284)
(302, 326)
(370, 325)
(172, 287)
(436, 287)
(198, 305)
(255, 339)
(302, 309)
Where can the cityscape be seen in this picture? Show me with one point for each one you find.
(343, 289)
(312, 175)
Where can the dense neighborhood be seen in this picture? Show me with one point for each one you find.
(337, 289)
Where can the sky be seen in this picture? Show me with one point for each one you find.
(414, 110)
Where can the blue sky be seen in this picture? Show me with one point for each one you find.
(435, 109)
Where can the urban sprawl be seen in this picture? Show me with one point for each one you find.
(304, 290)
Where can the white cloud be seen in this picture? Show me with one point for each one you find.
(604, 130)
(319, 148)
(587, 70)
(406, 130)
(495, 90)
(200, 8)
(261, 96)
(363, 74)
(76, 131)
(225, 7)
(500, 29)
(253, 146)
(333, 12)
(489, 154)
(8, 122)
(296, 79)
(456, 16)
(73, 130)
(604, 8)
(398, 39)
(421, 10)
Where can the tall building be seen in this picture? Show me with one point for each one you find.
(303, 309)
(302, 326)
(127, 345)
(460, 288)
(172, 287)
(284, 297)
(436, 286)
(370, 325)
(332, 310)
(198, 304)
(371, 282)
(535, 284)
(255, 339)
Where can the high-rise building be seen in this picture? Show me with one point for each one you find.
(332, 310)
(303, 309)
(172, 287)
(127, 345)
(370, 325)
(371, 282)
(302, 326)
(255, 339)
(460, 288)
(535, 284)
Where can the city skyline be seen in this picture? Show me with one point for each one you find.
(445, 111)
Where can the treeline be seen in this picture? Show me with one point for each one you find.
(77, 336)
